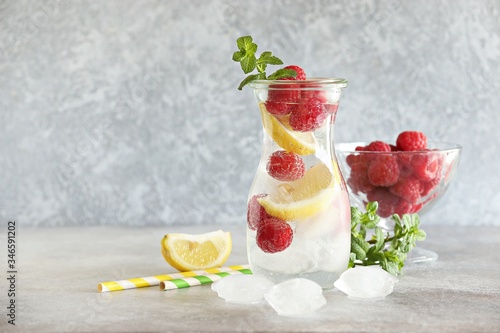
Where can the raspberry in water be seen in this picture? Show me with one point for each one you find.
(307, 116)
(285, 166)
(255, 212)
(278, 108)
(274, 235)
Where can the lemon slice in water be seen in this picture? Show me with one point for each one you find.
(301, 198)
(302, 143)
(187, 252)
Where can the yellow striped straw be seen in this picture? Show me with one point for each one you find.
(152, 281)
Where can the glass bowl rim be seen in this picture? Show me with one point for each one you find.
(315, 84)
(432, 146)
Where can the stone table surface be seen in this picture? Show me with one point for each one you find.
(58, 270)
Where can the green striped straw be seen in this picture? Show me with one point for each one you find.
(199, 280)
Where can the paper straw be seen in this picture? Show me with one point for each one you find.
(152, 281)
(198, 280)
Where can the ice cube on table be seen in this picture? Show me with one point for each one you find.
(242, 288)
(366, 282)
(296, 297)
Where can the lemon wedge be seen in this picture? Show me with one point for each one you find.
(301, 198)
(187, 252)
(302, 143)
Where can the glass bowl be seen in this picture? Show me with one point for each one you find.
(401, 182)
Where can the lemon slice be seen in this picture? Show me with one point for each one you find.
(301, 198)
(302, 143)
(196, 252)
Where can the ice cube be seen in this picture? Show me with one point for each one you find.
(293, 260)
(332, 255)
(242, 288)
(323, 224)
(366, 282)
(296, 297)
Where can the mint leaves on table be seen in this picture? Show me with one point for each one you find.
(382, 248)
(246, 56)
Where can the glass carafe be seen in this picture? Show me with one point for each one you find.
(298, 218)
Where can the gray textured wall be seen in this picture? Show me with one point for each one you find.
(126, 112)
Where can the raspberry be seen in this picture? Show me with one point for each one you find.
(351, 159)
(404, 207)
(285, 166)
(301, 75)
(411, 141)
(426, 167)
(358, 178)
(278, 108)
(255, 212)
(383, 171)
(274, 235)
(407, 189)
(387, 201)
(355, 159)
(405, 167)
(320, 95)
(281, 96)
(428, 187)
(378, 146)
(307, 116)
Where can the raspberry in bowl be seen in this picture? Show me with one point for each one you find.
(404, 177)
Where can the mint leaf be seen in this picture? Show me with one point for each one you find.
(359, 247)
(391, 267)
(380, 239)
(352, 259)
(268, 59)
(421, 235)
(355, 216)
(246, 56)
(246, 45)
(238, 55)
(282, 73)
(250, 78)
(248, 63)
(372, 207)
(383, 248)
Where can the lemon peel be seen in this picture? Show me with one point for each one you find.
(301, 143)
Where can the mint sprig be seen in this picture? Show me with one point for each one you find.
(249, 62)
(382, 248)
